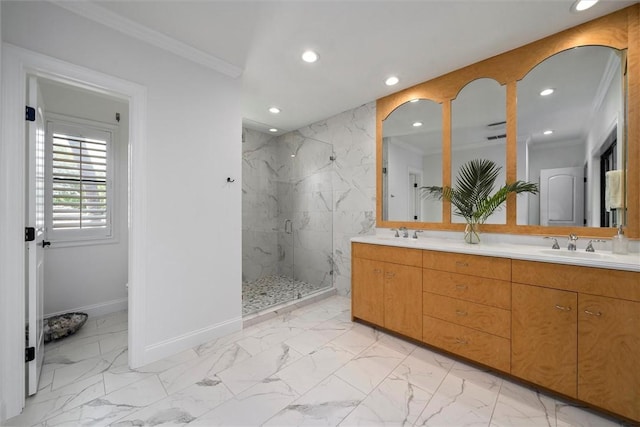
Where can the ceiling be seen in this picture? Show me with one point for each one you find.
(360, 43)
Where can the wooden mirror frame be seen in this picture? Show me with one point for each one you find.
(619, 30)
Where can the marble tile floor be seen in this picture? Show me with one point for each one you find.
(310, 366)
(273, 290)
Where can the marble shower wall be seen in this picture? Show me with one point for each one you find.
(353, 136)
(328, 202)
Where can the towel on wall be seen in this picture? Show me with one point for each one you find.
(614, 190)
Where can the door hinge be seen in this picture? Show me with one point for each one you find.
(29, 234)
(30, 114)
(29, 354)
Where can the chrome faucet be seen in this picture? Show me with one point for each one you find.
(396, 230)
(555, 242)
(590, 245)
(572, 242)
(405, 232)
(415, 234)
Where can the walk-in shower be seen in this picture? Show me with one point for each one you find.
(287, 219)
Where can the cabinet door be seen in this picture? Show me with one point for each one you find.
(544, 337)
(608, 349)
(367, 297)
(403, 300)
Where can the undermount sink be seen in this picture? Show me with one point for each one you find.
(576, 254)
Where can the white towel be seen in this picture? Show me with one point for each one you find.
(614, 190)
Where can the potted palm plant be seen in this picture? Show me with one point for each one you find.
(471, 196)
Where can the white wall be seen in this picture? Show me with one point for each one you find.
(74, 281)
(3, 294)
(193, 259)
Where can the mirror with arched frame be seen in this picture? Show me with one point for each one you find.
(412, 156)
(604, 54)
(570, 117)
(478, 131)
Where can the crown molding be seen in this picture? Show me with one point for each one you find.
(133, 29)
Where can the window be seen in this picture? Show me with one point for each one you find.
(79, 170)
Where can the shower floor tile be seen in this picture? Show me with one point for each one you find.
(272, 290)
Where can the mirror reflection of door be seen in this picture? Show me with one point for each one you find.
(562, 197)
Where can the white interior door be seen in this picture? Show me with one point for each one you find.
(35, 248)
(562, 196)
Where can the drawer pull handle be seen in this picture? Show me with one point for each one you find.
(461, 264)
(461, 287)
(461, 341)
(563, 308)
(377, 271)
(593, 313)
(390, 274)
(461, 313)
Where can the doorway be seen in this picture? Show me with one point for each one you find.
(17, 63)
(85, 205)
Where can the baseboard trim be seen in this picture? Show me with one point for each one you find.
(95, 310)
(189, 340)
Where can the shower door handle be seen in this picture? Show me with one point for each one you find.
(288, 230)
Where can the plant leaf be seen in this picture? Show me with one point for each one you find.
(471, 195)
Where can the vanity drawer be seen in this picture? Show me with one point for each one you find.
(492, 320)
(474, 265)
(392, 254)
(481, 347)
(481, 290)
(588, 280)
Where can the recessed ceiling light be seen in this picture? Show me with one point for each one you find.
(309, 56)
(391, 81)
(580, 5)
(548, 132)
(293, 155)
(547, 92)
(274, 110)
(273, 130)
(417, 124)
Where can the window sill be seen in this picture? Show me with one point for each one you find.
(60, 244)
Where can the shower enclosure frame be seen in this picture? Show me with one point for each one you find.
(287, 219)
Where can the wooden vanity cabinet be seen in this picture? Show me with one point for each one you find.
(609, 353)
(387, 287)
(544, 339)
(568, 328)
(467, 306)
(576, 330)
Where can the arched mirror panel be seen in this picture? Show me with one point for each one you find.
(478, 131)
(411, 157)
(570, 133)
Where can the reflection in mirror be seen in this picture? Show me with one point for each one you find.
(411, 157)
(574, 132)
(478, 131)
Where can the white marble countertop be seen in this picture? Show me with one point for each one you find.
(601, 259)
